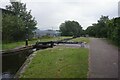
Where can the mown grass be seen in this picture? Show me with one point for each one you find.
(81, 39)
(58, 62)
(7, 46)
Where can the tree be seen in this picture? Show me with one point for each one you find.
(114, 30)
(70, 28)
(91, 31)
(106, 28)
(16, 23)
(102, 26)
(99, 29)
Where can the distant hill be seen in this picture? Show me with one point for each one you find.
(40, 33)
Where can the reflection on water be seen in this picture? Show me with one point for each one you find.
(12, 62)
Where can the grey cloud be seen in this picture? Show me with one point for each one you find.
(51, 13)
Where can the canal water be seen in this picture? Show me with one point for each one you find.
(13, 61)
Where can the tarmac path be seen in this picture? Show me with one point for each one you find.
(103, 59)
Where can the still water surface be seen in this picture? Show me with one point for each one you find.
(12, 62)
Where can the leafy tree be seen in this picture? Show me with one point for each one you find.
(99, 29)
(14, 25)
(70, 28)
(91, 31)
(114, 31)
(102, 26)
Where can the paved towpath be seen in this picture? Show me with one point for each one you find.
(103, 59)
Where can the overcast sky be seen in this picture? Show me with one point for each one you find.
(51, 13)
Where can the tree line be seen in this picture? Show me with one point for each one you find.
(106, 28)
(17, 22)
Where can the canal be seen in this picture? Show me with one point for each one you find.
(11, 62)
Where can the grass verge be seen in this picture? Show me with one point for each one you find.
(58, 62)
(81, 39)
